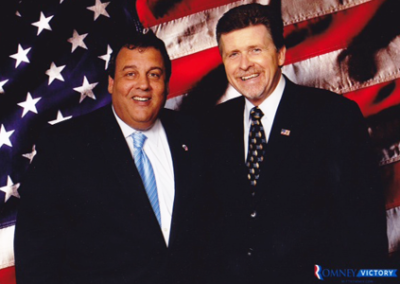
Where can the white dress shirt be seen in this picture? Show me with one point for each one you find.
(269, 107)
(157, 150)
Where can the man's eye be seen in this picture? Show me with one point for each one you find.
(130, 74)
(257, 50)
(155, 75)
(233, 55)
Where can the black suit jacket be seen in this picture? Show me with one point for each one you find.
(318, 200)
(84, 215)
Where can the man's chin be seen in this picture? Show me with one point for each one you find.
(255, 97)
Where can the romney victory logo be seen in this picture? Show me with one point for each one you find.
(322, 273)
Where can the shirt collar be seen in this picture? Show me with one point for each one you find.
(270, 105)
(127, 131)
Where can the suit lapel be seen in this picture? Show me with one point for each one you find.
(116, 152)
(236, 133)
(230, 132)
(286, 126)
(227, 144)
(180, 148)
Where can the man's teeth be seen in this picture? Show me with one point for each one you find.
(249, 77)
(140, 99)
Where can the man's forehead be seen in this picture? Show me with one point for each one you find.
(139, 50)
(139, 56)
(248, 36)
(251, 28)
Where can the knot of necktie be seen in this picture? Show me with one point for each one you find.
(138, 140)
(256, 114)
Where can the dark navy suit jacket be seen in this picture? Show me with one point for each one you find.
(318, 200)
(84, 215)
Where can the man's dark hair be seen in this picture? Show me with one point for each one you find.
(250, 15)
(140, 40)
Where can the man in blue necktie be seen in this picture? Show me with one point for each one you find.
(111, 196)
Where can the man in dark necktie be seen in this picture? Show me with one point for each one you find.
(291, 166)
(110, 196)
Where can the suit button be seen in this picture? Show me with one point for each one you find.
(253, 193)
(250, 252)
(254, 214)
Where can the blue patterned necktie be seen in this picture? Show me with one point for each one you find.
(146, 172)
(257, 144)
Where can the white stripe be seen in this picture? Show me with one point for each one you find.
(393, 228)
(390, 154)
(294, 11)
(175, 102)
(325, 72)
(6, 247)
(196, 32)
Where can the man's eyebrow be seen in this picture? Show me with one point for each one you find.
(232, 50)
(135, 67)
(156, 68)
(129, 67)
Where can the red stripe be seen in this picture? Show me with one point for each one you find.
(344, 26)
(184, 8)
(188, 70)
(368, 98)
(7, 275)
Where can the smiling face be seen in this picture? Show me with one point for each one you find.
(252, 62)
(138, 90)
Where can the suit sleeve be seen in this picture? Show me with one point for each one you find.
(39, 234)
(359, 209)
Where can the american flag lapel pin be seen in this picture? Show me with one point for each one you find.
(185, 147)
(285, 132)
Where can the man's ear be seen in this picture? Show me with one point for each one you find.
(282, 56)
(110, 84)
(166, 93)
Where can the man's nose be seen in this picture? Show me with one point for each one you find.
(245, 62)
(143, 83)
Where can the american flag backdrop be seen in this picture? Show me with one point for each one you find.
(54, 54)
